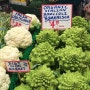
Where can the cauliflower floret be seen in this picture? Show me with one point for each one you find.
(4, 79)
(18, 37)
(2, 70)
(34, 22)
(8, 53)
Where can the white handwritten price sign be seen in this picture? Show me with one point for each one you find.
(17, 66)
(56, 16)
(19, 19)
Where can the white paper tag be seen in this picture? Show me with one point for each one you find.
(56, 16)
(17, 66)
(19, 19)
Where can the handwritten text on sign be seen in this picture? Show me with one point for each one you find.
(17, 66)
(56, 16)
(19, 19)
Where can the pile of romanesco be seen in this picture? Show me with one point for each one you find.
(58, 61)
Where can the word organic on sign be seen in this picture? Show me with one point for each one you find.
(19, 19)
(56, 16)
(17, 66)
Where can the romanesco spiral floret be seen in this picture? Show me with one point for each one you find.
(88, 58)
(72, 81)
(71, 58)
(75, 36)
(87, 75)
(81, 22)
(43, 53)
(48, 35)
(41, 78)
(22, 87)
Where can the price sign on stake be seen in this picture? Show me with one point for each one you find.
(19, 19)
(17, 66)
(56, 16)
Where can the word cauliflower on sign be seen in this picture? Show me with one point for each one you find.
(18, 37)
(4, 79)
(8, 53)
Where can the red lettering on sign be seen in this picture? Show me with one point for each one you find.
(57, 22)
(52, 24)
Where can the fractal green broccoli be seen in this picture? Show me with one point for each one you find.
(43, 53)
(72, 81)
(71, 58)
(87, 75)
(88, 58)
(48, 35)
(78, 37)
(22, 87)
(81, 22)
(41, 78)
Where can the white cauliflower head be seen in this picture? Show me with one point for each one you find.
(8, 53)
(18, 37)
(35, 21)
(4, 79)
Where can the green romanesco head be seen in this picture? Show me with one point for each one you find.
(81, 22)
(87, 75)
(22, 87)
(43, 53)
(71, 58)
(41, 78)
(50, 36)
(75, 36)
(72, 81)
(88, 58)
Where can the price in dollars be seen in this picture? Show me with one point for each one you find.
(18, 19)
(16, 24)
(56, 16)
